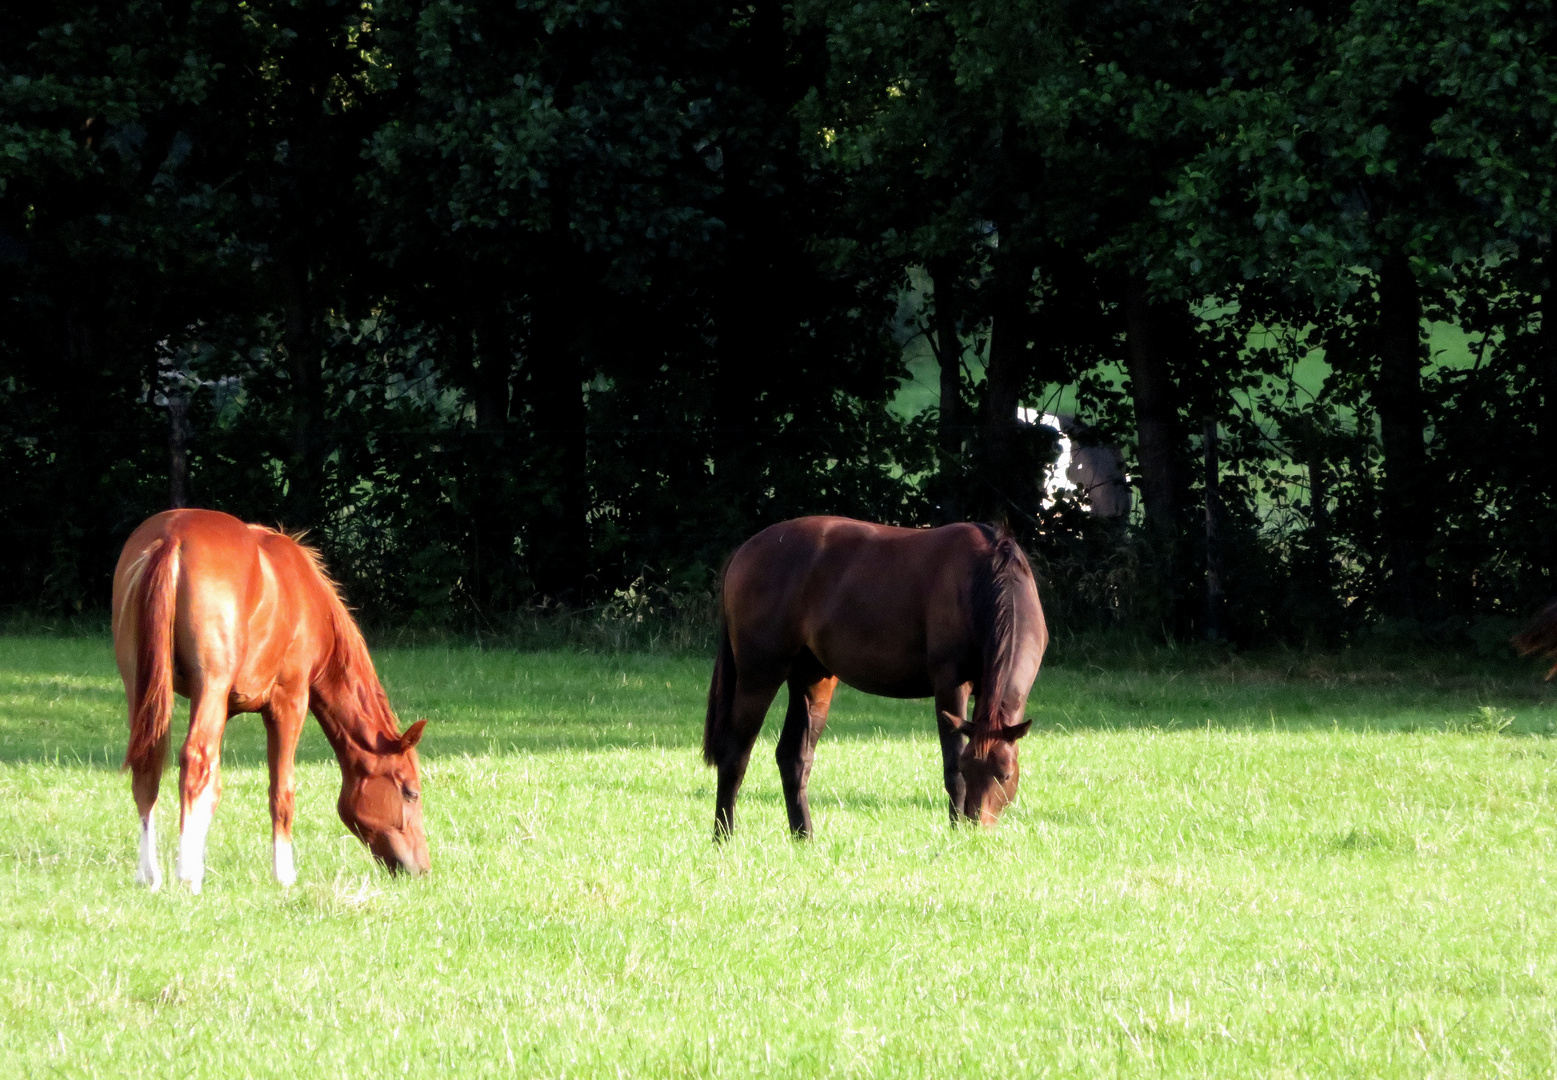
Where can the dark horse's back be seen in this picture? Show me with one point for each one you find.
(884, 609)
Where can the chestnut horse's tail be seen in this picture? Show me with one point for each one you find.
(151, 712)
(1540, 636)
(994, 619)
(721, 698)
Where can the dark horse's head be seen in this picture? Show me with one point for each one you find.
(990, 771)
(1009, 619)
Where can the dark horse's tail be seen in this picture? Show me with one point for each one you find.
(993, 597)
(151, 712)
(721, 698)
(1540, 636)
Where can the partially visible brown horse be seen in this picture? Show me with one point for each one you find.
(1540, 636)
(241, 618)
(903, 613)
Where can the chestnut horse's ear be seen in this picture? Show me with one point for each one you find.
(412, 736)
(1015, 731)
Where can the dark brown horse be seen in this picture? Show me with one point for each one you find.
(241, 618)
(903, 613)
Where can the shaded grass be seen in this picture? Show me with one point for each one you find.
(1214, 868)
(61, 698)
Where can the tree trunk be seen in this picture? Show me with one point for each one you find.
(754, 292)
(560, 534)
(1319, 511)
(305, 364)
(1543, 469)
(1546, 378)
(946, 343)
(486, 358)
(1014, 480)
(493, 372)
(1398, 399)
(178, 449)
(1156, 413)
(1216, 592)
(746, 353)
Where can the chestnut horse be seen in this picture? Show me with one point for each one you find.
(241, 618)
(903, 613)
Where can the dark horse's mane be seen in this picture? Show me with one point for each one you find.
(994, 618)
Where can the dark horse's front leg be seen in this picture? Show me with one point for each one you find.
(809, 697)
(952, 701)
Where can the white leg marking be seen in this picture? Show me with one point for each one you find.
(281, 865)
(191, 838)
(148, 872)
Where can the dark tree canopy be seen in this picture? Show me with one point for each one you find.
(536, 302)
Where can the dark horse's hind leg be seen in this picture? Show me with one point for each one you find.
(810, 693)
(749, 709)
(952, 700)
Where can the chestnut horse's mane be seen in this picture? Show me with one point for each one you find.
(348, 671)
(992, 598)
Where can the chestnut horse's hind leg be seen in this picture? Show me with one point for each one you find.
(283, 726)
(952, 701)
(804, 720)
(146, 779)
(199, 778)
(749, 709)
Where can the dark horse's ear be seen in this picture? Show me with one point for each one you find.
(412, 736)
(1015, 731)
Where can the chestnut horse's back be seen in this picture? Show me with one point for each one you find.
(187, 583)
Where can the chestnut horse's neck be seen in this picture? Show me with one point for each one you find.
(346, 695)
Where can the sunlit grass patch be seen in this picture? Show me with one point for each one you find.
(1269, 874)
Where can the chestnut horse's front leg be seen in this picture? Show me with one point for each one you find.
(809, 698)
(284, 717)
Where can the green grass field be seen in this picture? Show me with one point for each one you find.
(1294, 866)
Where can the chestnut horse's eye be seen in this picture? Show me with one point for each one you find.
(411, 795)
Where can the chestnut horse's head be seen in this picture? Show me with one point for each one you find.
(381, 801)
(989, 770)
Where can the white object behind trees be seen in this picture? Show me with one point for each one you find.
(1088, 470)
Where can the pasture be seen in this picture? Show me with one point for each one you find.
(1289, 866)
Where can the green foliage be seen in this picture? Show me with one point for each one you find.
(518, 304)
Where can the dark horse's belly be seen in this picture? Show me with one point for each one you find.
(875, 675)
(907, 688)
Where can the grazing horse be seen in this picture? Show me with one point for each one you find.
(903, 613)
(241, 618)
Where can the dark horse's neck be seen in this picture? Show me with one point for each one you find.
(998, 623)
